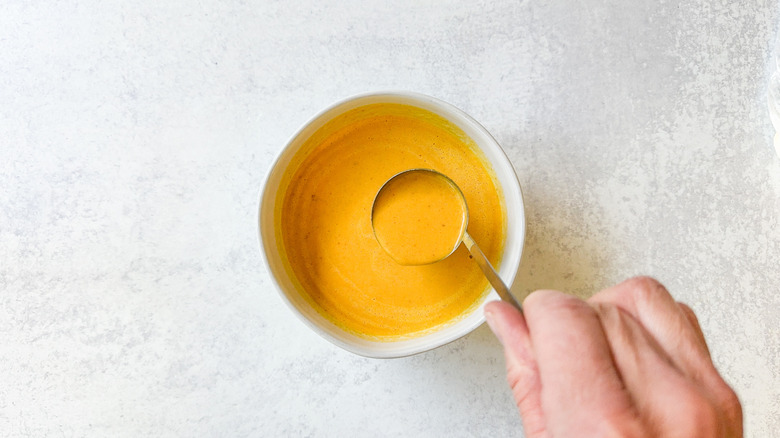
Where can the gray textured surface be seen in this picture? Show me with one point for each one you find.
(135, 136)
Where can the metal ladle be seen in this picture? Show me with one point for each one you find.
(476, 253)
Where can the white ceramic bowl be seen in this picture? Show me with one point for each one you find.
(271, 243)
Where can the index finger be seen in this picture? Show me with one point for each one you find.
(580, 383)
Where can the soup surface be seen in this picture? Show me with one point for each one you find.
(325, 219)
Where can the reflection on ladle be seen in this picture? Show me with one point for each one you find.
(420, 216)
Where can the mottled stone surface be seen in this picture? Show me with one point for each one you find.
(135, 136)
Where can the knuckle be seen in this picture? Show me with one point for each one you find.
(644, 288)
(715, 414)
(645, 284)
(686, 308)
(706, 423)
(689, 313)
(703, 419)
(728, 401)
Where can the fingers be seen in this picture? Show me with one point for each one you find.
(655, 309)
(655, 384)
(629, 362)
(580, 384)
(510, 328)
(675, 329)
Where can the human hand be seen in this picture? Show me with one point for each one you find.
(630, 361)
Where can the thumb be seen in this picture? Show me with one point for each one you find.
(509, 326)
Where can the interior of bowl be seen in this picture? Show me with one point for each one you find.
(272, 245)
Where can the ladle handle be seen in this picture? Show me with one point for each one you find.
(489, 272)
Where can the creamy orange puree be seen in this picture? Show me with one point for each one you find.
(325, 219)
(419, 217)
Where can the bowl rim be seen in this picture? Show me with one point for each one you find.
(411, 346)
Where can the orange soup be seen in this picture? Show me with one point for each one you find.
(419, 217)
(325, 217)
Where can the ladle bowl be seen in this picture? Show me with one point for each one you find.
(407, 211)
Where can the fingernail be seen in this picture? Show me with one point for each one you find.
(493, 324)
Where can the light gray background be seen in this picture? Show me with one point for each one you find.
(135, 135)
